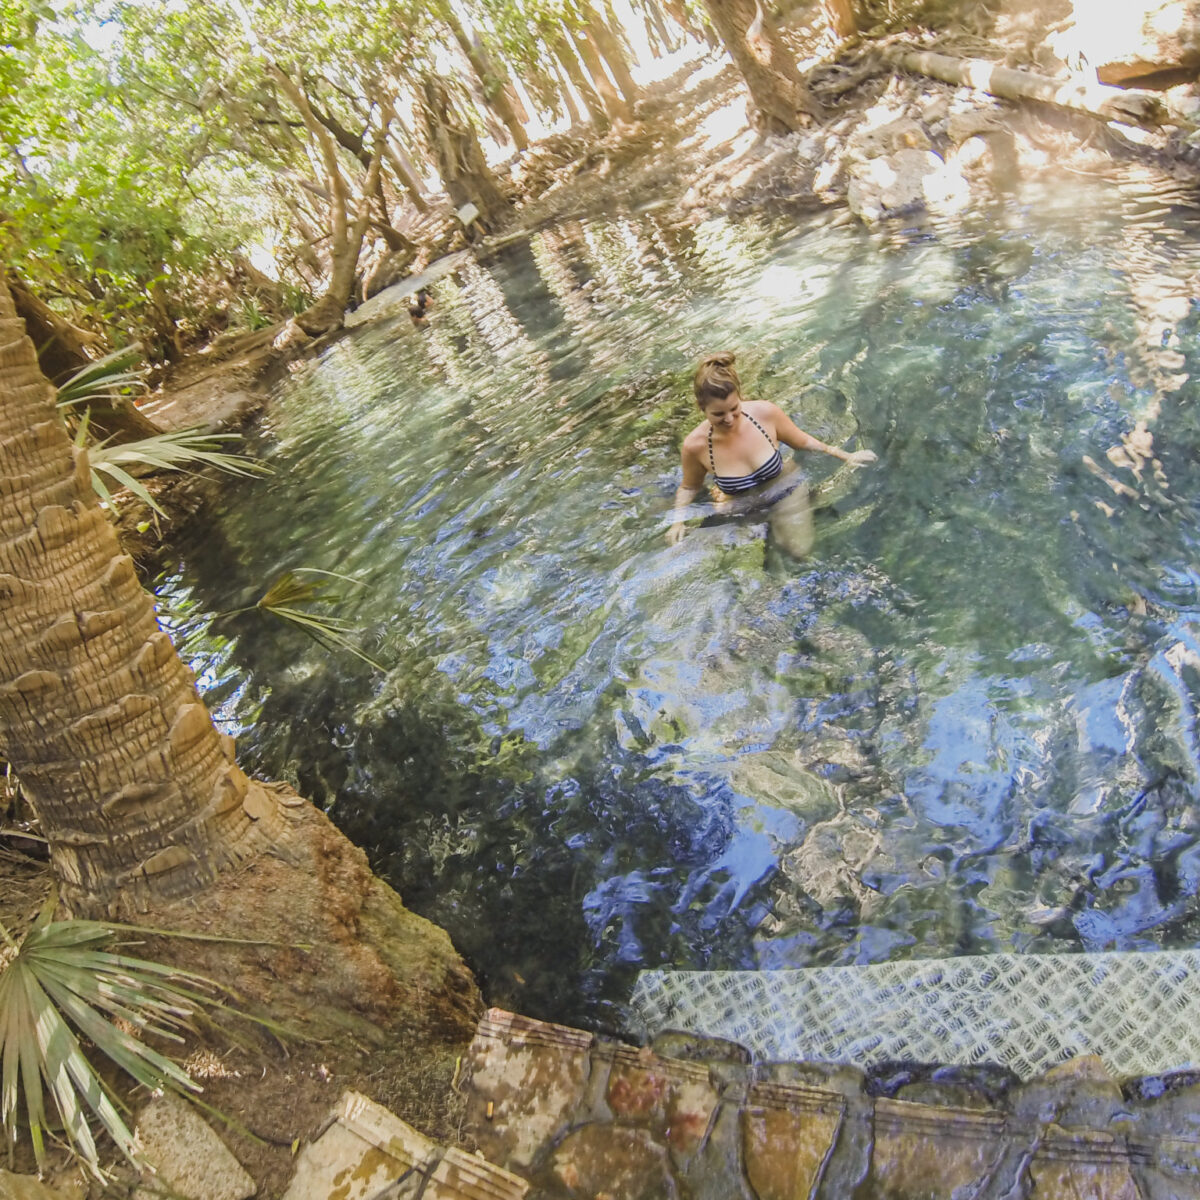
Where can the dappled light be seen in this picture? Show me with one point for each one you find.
(728, 757)
(521, 612)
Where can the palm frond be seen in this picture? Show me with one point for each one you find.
(62, 982)
(184, 450)
(106, 379)
(287, 592)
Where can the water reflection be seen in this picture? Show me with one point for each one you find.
(965, 724)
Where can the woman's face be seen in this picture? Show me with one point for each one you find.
(725, 413)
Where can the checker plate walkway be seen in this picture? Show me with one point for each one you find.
(1137, 1011)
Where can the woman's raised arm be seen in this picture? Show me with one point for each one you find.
(790, 434)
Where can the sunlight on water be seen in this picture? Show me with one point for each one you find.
(965, 724)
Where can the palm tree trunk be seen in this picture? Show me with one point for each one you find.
(137, 793)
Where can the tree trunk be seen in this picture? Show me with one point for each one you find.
(137, 793)
(62, 351)
(491, 79)
(680, 15)
(564, 91)
(62, 348)
(615, 106)
(460, 158)
(840, 15)
(563, 50)
(402, 166)
(609, 47)
(1095, 99)
(656, 29)
(346, 234)
(764, 62)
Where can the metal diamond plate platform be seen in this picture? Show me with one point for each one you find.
(1140, 1012)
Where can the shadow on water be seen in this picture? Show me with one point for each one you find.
(965, 724)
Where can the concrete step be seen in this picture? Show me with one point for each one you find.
(366, 1152)
(579, 1115)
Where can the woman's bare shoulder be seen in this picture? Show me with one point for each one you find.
(761, 408)
(696, 441)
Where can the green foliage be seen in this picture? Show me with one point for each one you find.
(185, 450)
(64, 982)
(145, 146)
(108, 379)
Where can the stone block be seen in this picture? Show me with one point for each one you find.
(923, 1152)
(788, 1135)
(189, 1158)
(1166, 1169)
(366, 1150)
(526, 1081)
(614, 1162)
(692, 1047)
(675, 1100)
(29, 1187)
(1082, 1163)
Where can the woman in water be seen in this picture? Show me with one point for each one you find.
(738, 441)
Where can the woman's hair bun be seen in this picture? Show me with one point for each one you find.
(723, 358)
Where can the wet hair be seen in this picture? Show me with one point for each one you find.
(715, 378)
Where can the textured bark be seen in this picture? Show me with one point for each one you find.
(610, 49)
(565, 53)
(1095, 99)
(62, 348)
(346, 230)
(656, 28)
(574, 115)
(769, 70)
(354, 142)
(137, 793)
(460, 159)
(840, 15)
(491, 78)
(395, 156)
(615, 106)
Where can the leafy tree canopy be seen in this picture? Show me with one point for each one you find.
(148, 147)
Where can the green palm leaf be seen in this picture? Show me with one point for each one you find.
(62, 982)
(187, 450)
(106, 379)
(184, 450)
(282, 598)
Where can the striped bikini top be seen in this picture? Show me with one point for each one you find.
(742, 483)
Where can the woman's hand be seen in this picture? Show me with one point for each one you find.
(860, 458)
(675, 533)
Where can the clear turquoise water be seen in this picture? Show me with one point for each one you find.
(964, 724)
